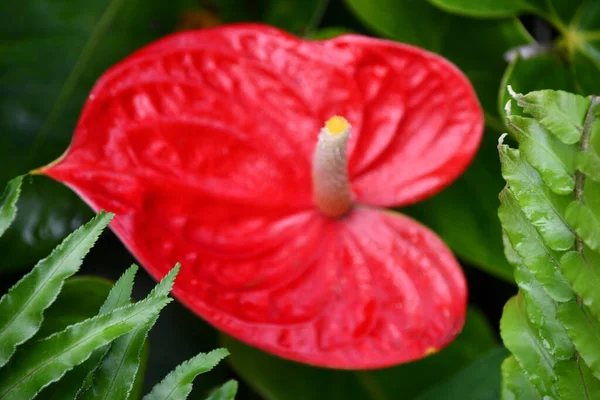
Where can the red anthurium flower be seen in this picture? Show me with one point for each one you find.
(226, 150)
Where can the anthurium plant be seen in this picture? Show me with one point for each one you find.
(323, 175)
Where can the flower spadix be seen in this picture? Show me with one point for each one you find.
(264, 167)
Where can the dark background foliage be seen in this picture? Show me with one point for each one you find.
(51, 53)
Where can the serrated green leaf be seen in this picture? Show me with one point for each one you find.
(560, 112)
(46, 361)
(177, 385)
(21, 309)
(528, 244)
(515, 385)
(225, 392)
(576, 381)
(115, 377)
(543, 208)
(584, 277)
(8, 203)
(541, 311)
(525, 345)
(584, 330)
(551, 158)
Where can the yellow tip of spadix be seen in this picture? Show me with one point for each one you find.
(336, 125)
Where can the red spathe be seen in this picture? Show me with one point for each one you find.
(201, 143)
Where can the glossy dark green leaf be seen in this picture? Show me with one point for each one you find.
(22, 308)
(485, 8)
(584, 330)
(51, 54)
(534, 73)
(552, 159)
(471, 202)
(225, 392)
(515, 385)
(525, 345)
(478, 381)
(278, 379)
(560, 112)
(46, 361)
(576, 381)
(8, 203)
(543, 263)
(300, 17)
(543, 208)
(177, 385)
(422, 24)
(115, 376)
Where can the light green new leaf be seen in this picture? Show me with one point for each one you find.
(46, 361)
(551, 158)
(528, 244)
(585, 222)
(21, 309)
(177, 385)
(576, 381)
(516, 386)
(588, 162)
(541, 311)
(521, 339)
(225, 392)
(115, 377)
(584, 330)
(584, 277)
(560, 112)
(543, 208)
(8, 203)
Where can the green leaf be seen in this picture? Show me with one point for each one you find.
(543, 208)
(478, 381)
(541, 312)
(583, 215)
(584, 277)
(225, 392)
(278, 379)
(560, 112)
(328, 33)
(40, 101)
(528, 244)
(523, 342)
(177, 385)
(584, 330)
(46, 361)
(8, 203)
(542, 71)
(21, 309)
(84, 297)
(115, 376)
(588, 162)
(421, 24)
(516, 386)
(80, 298)
(485, 8)
(576, 381)
(552, 159)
